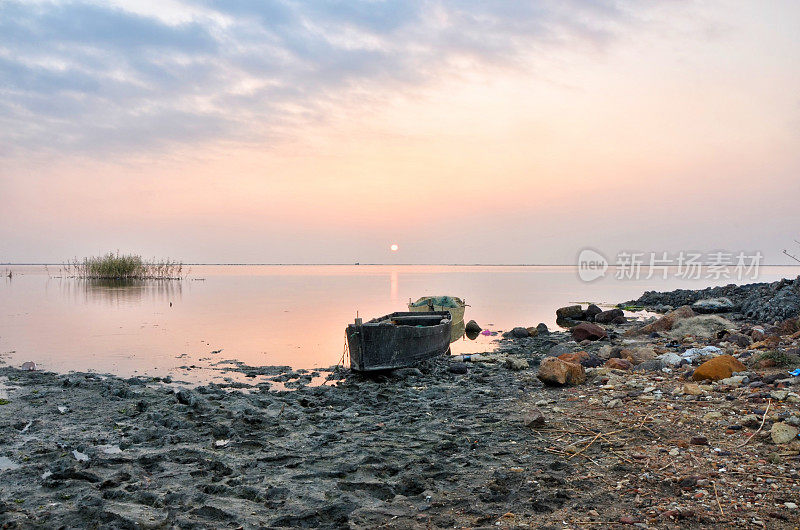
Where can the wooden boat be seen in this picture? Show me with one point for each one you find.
(455, 306)
(398, 340)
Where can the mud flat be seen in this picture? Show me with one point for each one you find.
(483, 443)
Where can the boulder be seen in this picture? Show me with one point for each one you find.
(573, 312)
(588, 331)
(458, 368)
(472, 327)
(592, 361)
(616, 363)
(738, 339)
(720, 367)
(591, 312)
(520, 333)
(542, 328)
(532, 332)
(575, 357)
(559, 349)
(692, 389)
(607, 317)
(713, 305)
(670, 359)
(701, 327)
(652, 365)
(783, 433)
(665, 323)
(555, 372)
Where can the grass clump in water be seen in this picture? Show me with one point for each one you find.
(124, 267)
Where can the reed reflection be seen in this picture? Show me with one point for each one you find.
(121, 292)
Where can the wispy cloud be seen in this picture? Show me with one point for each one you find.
(96, 79)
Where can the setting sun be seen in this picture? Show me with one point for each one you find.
(394, 247)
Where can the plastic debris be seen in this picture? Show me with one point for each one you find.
(795, 372)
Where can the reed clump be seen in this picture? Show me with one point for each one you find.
(116, 266)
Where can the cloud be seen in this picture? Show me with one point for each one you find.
(90, 78)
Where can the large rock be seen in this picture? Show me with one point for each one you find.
(573, 312)
(783, 433)
(591, 312)
(714, 305)
(555, 372)
(665, 323)
(607, 317)
(700, 327)
(520, 333)
(588, 330)
(720, 367)
(541, 327)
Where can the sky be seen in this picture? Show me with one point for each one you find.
(463, 131)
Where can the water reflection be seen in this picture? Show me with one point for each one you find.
(394, 286)
(121, 292)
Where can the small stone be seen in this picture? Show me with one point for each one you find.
(699, 440)
(534, 418)
(783, 433)
(616, 363)
(516, 364)
(692, 389)
(790, 505)
(457, 368)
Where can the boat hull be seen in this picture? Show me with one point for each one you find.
(456, 313)
(398, 340)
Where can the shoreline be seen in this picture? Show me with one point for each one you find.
(447, 444)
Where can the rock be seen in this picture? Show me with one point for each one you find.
(653, 365)
(692, 389)
(713, 305)
(569, 312)
(532, 331)
(457, 368)
(520, 333)
(29, 366)
(751, 420)
(701, 327)
(757, 334)
(638, 355)
(592, 311)
(516, 364)
(783, 433)
(607, 317)
(699, 440)
(542, 328)
(534, 418)
(555, 372)
(472, 327)
(718, 368)
(559, 349)
(592, 361)
(735, 380)
(588, 330)
(616, 363)
(665, 323)
(670, 359)
(739, 339)
(575, 357)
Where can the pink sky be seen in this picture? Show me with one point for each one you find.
(465, 133)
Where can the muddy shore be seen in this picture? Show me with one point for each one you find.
(449, 444)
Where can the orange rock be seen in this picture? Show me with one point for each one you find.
(574, 357)
(555, 372)
(619, 364)
(769, 342)
(718, 368)
(664, 323)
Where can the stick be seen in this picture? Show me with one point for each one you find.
(717, 496)
(769, 403)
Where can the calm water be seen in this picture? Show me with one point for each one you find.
(267, 315)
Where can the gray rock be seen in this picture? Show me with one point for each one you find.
(783, 433)
(457, 368)
(520, 333)
(542, 328)
(574, 312)
(714, 305)
(652, 365)
(534, 418)
(592, 311)
(558, 349)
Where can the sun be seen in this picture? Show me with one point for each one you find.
(394, 247)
